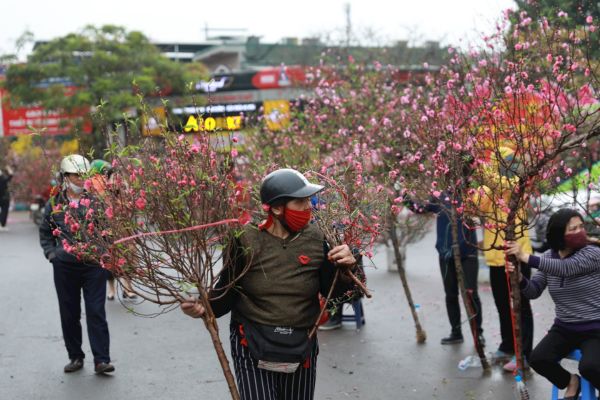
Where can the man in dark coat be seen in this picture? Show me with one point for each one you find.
(5, 177)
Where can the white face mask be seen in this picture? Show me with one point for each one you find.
(74, 188)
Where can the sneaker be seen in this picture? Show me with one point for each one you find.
(102, 368)
(74, 365)
(500, 357)
(454, 338)
(4, 229)
(511, 366)
(331, 324)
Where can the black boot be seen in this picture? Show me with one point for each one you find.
(454, 338)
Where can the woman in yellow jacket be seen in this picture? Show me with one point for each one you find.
(492, 206)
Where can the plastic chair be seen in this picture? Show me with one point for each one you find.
(588, 392)
(358, 316)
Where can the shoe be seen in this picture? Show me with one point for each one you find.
(129, 296)
(4, 229)
(454, 338)
(331, 324)
(500, 357)
(110, 297)
(576, 397)
(74, 365)
(102, 368)
(511, 366)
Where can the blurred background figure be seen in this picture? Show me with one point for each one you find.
(39, 200)
(592, 217)
(102, 171)
(6, 175)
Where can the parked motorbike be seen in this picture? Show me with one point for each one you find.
(549, 204)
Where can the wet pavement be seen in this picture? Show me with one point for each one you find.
(171, 357)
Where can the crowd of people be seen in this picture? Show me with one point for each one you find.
(285, 248)
(274, 251)
(570, 269)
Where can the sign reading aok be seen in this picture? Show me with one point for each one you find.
(210, 124)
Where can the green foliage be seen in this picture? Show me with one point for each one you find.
(577, 12)
(107, 65)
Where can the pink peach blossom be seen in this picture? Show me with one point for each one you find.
(140, 203)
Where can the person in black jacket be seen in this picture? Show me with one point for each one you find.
(5, 177)
(467, 241)
(72, 275)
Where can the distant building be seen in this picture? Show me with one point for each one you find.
(233, 54)
(249, 80)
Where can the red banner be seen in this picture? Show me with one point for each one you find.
(22, 120)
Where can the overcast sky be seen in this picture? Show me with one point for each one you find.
(184, 21)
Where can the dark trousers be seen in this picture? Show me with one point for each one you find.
(4, 204)
(470, 267)
(502, 300)
(558, 343)
(258, 384)
(69, 280)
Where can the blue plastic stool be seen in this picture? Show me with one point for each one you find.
(588, 392)
(358, 316)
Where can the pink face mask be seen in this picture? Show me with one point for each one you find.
(576, 241)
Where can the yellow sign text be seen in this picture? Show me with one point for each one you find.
(210, 124)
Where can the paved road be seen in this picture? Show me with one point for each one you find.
(170, 357)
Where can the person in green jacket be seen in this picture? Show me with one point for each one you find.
(290, 263)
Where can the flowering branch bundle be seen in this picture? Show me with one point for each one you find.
(352, 215)
(354, 117)
(511, 108)
(162, 220)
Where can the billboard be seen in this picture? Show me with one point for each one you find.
(265, 78)
(239, 99)
(22, 120)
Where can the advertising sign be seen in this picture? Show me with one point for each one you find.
(152, 124)
(22, 120)
(266, 78)
(277, 114)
